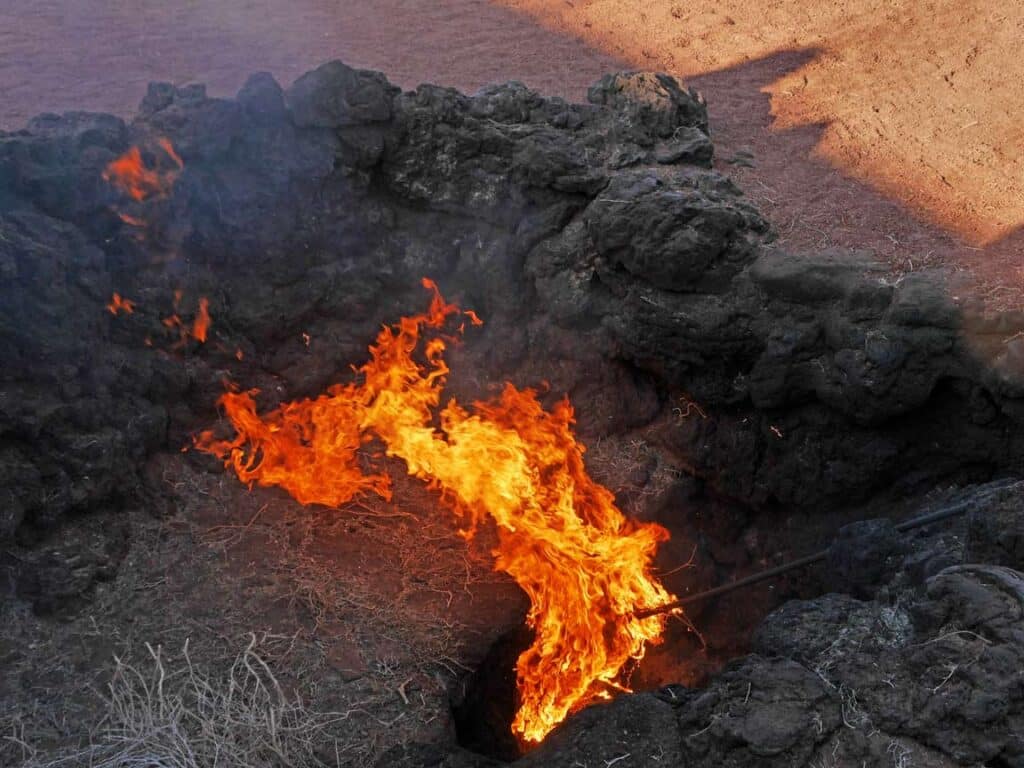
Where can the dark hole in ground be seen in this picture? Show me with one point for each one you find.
(485, 703)
(722, 541)
(483, 716)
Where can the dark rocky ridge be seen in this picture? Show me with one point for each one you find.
(605, 254)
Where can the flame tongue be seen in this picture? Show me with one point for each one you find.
(130, 174)
(307, 447)
(120, 304)
(585, 567)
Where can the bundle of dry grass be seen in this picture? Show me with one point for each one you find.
(165, 713)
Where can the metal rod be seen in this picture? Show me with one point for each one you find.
(952, 510)
(722, 589)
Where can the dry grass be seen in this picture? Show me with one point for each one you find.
(167, 713)
(366, 618)
(365, 621)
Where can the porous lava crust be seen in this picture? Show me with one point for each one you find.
(607, 259)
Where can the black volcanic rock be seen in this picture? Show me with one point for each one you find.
(683, 232)
(758, 712)
(864, 556)
(639, 730)
(606, 258)
(995, 531)
(651, 105)
(927, 672)
(335, 95)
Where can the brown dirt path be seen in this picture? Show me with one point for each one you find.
(880, 124)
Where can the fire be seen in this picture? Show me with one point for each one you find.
(200, 327)
(586, 568)
(120, 304)
(199, 330)
(201, 324)
(131, 175)
(131, 221)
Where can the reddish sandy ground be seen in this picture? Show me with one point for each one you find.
(879, 124)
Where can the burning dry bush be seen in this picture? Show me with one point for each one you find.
(586, 568)
(166, 713)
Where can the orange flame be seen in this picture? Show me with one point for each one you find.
(585, 567)
(131, 221)
(130, 175)
(120, 304)
(201, 324)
